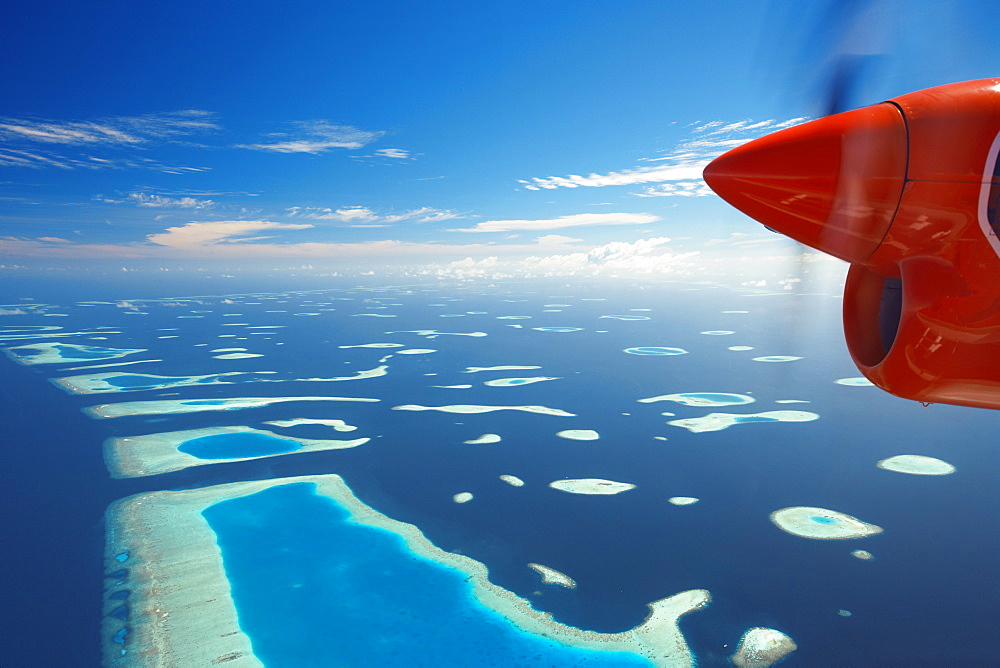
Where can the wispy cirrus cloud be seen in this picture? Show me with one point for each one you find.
(396, 153)
(683, 165)
(149, 200)
(678, 189)
(117, 130)
(317, 137)
(37, 159)
(574, 220)
(199, 235)
(362, 216)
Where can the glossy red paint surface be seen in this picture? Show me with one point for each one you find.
(938, 237)
(832, 184)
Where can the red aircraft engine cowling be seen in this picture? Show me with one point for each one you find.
(908, 192)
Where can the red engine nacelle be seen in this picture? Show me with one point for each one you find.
(908, 192)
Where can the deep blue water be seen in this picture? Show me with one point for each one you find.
(930, 596)
(231, 446)
(308, 583)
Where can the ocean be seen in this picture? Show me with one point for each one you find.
(928, 597)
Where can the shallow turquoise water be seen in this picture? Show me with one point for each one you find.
(314, 589)
(241, 444)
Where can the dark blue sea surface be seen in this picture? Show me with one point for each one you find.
(929, 597)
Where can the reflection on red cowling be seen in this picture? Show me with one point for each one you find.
(908, 192)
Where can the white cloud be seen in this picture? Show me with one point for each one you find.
(362, 214)
(642, 257)
(398, 153)
(680, 189)
(674, 172)
(160, 201)
(130, 130)
(574, 220)
(556, 239)
(684, 164)
(317, 137)
(37, 159)
(199, 235)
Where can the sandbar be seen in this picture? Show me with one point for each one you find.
(916, 465)
(151, 454)
(702, 399)
(512, 480)
(655, 350)
(720, 421)
(863, 555)
(476, 369)
(821, 524)
(236, 356)
(776, 358)
(591, 486)
(511, 382)
(626, 317)
(855, 382)
(472, 408)
(579, 434)
(181, 607)
(174, 406)
(360, 375)
(552, 576)
(718, 332)
(760, 647)
(433, 333)
(485, 438)
(558, 329)
(376, 345)
(462, 497)
(683, 500)
(338, 425)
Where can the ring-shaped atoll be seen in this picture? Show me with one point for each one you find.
(720, 421)
(702, 399)
(511, 382)
(855, 382)
(655, 350)
(821, 523)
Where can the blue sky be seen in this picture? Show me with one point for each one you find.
(456, 138)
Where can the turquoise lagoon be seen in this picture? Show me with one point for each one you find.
(237, 445)
(314, 588)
